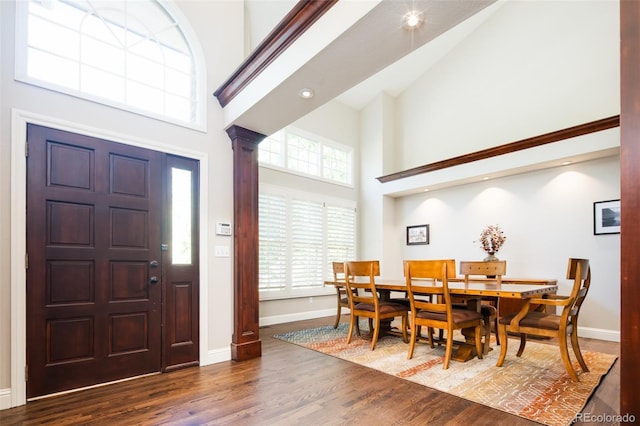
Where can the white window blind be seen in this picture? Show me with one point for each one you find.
(341, 229)
(299, 236)
(307, 239)
(272, 242)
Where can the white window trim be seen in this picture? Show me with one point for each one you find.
(294, 293)
(20, 71)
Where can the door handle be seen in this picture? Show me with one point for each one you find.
(153, 264)
(153, 280)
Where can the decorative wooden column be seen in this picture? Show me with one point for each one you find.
(245, 343)
(629, 207)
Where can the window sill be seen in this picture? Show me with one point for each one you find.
(266, 295)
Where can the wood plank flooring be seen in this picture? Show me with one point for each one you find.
(289, 385)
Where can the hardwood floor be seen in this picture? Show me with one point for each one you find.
(289, 385)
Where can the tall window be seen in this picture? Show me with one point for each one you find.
(293, 150)
(300, 235)
(132, 54)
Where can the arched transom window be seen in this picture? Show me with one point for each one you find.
(132, 54)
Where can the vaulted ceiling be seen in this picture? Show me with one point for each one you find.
(353, 52)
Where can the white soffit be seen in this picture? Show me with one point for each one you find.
(348, 44)
(327, 29)
(580, 148)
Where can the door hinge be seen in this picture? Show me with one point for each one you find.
(26, 261)
(26, 149)
(26, 373)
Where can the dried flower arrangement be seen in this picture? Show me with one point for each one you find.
(491, 239)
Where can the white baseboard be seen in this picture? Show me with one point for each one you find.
(217, 355)
(224, 354)
(599, 333)
(588, 332)
(298, 316)
(5, 398)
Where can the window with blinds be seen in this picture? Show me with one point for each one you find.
(299, 236)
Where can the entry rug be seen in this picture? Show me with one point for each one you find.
(535, 386)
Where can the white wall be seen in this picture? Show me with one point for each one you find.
(532, 68)
(222, 44)
(547, 217)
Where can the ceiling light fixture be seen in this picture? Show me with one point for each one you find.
(566, 163)
(412, 20)
(305, 93)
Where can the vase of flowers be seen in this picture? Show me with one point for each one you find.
(491, 239)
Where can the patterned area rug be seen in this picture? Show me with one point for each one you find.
(535, 386)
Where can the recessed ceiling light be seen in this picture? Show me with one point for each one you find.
(566, 163)
(485, 178)
(412, 19)
(305, 93)
(425, 190)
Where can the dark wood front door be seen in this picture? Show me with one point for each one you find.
(94, 213)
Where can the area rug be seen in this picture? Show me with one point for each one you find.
(535, 386)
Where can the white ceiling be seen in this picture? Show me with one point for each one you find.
(359, 63)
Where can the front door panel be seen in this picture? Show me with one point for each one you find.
(93, 230)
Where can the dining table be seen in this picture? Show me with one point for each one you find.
(473, 291)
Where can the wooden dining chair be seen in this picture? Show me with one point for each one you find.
(366, 303)
(341, 293)
(438, 311)
(489, 309)
(561, 325)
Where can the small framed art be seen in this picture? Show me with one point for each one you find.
(606, 217)
(417, 234)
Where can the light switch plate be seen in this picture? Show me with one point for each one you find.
(222, 251)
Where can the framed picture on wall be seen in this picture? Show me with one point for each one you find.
(606, 217)
(417, 234)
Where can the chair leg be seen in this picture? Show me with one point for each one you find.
(576, 350)
(479, 347)
(448, 350)
(338, 316)
(495, 324)
(564, 354)
(486, 331)
(523, 343)
(414, 335)
(502, 331)
(430, 336)
(358, 326)
(352, 318)
(404, 329)
(376, 330)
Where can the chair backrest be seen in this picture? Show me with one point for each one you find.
(431, 272)
(579, 271)
(496, 268)
(360, 274)
(338, 271)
